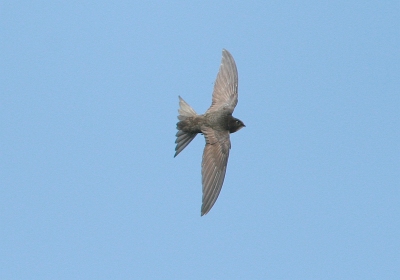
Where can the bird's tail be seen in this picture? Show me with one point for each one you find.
(183, 138)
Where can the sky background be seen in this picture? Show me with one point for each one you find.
(89, 187)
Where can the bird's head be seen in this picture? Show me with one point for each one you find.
(235, 125)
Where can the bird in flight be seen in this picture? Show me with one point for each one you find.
(216, 125)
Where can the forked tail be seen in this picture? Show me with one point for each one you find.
(183, 138)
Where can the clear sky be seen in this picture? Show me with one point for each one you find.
(89, 188)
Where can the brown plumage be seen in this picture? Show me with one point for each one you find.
(216, 125)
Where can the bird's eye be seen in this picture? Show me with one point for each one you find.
(237, 122)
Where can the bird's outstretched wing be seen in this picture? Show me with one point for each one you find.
(213, 166)
(225, 95)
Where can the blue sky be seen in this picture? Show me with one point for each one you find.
(89, 188)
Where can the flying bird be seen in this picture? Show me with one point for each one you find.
(216, 125)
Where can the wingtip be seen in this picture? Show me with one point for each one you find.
(204, 211)
(225, 51)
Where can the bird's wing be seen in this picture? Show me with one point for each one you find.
(225, 95)
(213, 166)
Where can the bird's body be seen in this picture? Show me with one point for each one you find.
(220, 121)
(216, 125)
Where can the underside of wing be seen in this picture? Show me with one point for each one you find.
(213, 167)
(225, 95)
